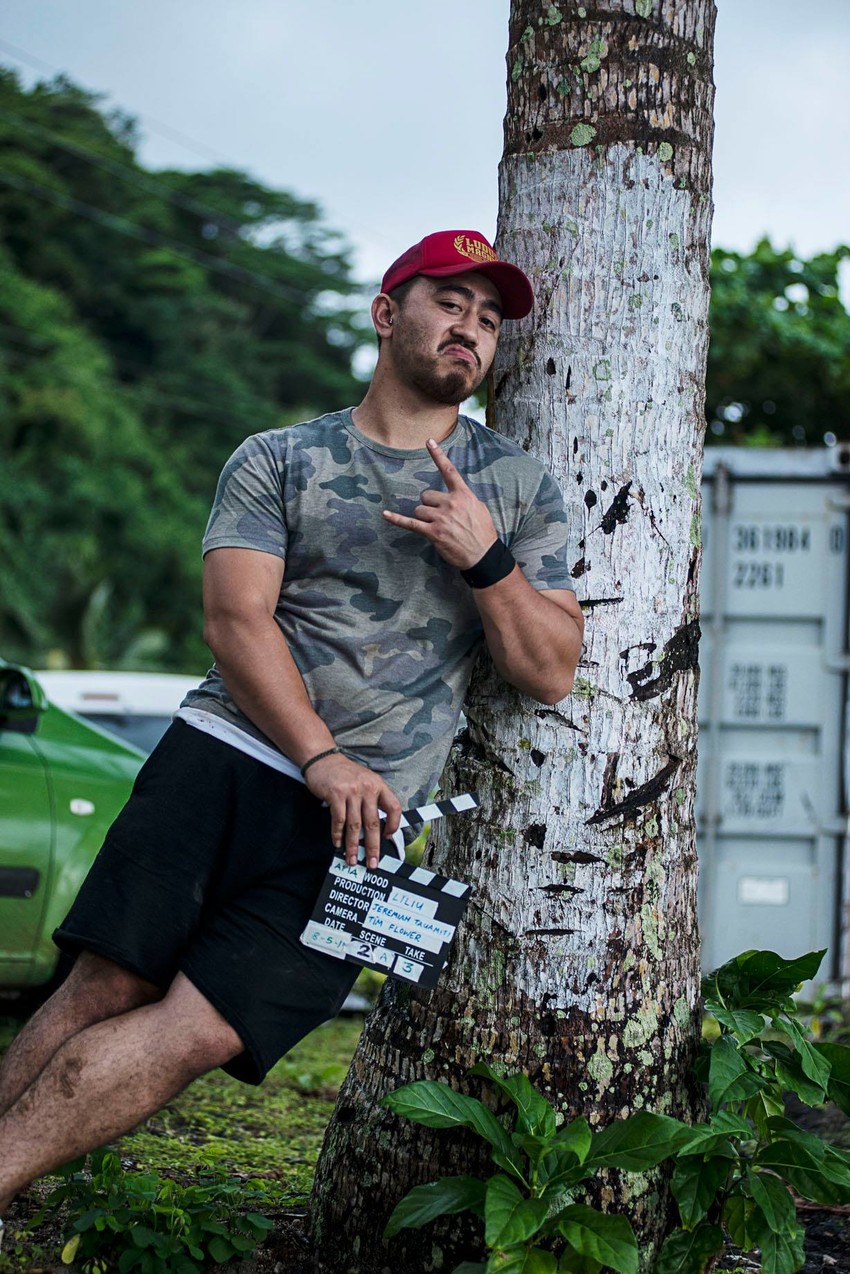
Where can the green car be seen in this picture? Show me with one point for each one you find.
(62, 782)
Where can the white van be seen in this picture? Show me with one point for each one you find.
(137, 706)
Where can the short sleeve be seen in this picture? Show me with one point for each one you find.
(541, 543)
(248, 510)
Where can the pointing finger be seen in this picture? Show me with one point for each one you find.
(452, 478)
(407, 524)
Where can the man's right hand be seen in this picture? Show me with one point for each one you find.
(355, 795)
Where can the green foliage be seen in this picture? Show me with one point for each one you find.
(732, 1174)
(140, 1221)
(530, 1201)
(149, 323)
(779, 357)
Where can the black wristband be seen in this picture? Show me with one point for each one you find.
(320, 756)
(496, 563)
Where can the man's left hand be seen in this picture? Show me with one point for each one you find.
(455, 521)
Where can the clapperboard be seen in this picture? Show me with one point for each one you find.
(395, 918)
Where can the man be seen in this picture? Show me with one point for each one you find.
(353, 566)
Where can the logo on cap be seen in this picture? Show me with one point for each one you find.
(474, 249)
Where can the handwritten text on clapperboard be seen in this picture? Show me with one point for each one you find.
(397, 918)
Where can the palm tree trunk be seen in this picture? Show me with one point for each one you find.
(579, 961)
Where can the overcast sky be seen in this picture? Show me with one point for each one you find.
(389, 113)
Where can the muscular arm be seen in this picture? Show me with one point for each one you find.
(533, 637)
(241, 589)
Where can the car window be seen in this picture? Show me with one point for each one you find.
(143, 732)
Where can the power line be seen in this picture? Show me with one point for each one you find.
(166, 130)
(109, 164)
(120, 225)
(155, 125)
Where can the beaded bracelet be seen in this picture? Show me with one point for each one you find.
(318, 757)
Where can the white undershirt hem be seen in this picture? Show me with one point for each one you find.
(236, 738)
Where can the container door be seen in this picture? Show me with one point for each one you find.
(26, 845)
(771, 706)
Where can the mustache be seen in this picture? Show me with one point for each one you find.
(464, 344)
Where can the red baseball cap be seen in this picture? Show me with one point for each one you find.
(450, 252)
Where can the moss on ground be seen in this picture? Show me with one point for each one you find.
(273, 1132)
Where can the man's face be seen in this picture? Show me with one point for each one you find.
(445, 335)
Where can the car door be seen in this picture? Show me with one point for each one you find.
(26, 847)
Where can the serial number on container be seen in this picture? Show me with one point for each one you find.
(754, 537)
(758, 575)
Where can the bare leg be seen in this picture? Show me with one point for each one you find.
(108, 1078)
(94, 990)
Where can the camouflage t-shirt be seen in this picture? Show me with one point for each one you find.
(383, 631)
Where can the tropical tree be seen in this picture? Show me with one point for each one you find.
(779, 358)
(148, 323)
(578, 963)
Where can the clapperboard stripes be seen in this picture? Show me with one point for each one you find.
(396, 918)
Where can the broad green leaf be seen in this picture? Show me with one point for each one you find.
(220, 1249)
(438, 1106)
(69, 1251)
(607, 1239)
(836, 1162)
(690, 1251)
(838, 1087)
(533, 1146)
(744, 1024)
(733, 1125)
(814, 1064)
(736, 1214)
(562, 1163)
(760, 979)
(790, 1074)
(470, 1267)
(423, 1203)
(763, 1107)
(510, 1218)
(774, 1202)
(521, 1260)
(636, 1143)
(695, 1184)
(576, 1136)
(704, 1139)
(782, 1253)
(142, 1236)
(806, 1170)
(258, 1221)
(534, 1114)
(731, 1077)
(572, 1262)
(560, 1171)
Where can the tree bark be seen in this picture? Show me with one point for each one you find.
(579, 960)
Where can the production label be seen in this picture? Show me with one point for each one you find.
(400, 921)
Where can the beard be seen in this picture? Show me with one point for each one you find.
(447, 385)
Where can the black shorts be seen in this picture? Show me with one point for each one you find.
(212, 869)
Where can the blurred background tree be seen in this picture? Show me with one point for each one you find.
(150, 321)
(779, 358)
